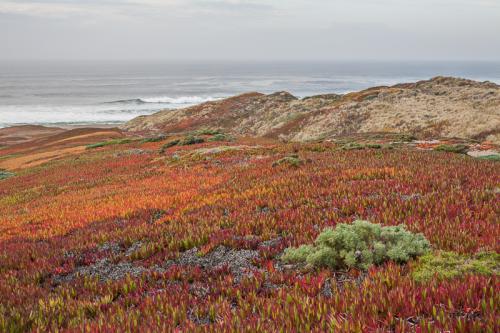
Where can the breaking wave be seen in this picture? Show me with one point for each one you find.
(182, 100)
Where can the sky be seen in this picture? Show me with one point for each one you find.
(260, 30)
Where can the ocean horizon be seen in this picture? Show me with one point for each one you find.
(86, 93)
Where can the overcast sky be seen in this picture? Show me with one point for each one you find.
(250, 29)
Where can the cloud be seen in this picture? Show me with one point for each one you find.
(124, 8)
(249, 29)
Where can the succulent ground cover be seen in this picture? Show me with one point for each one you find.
(123, 237)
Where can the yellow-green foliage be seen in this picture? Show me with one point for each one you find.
(359, 245)
(457, 149)
(109, 143)
(448, 265)
(221, 137)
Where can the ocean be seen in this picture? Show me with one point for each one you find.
(104, 93)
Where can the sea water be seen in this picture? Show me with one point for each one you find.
(106, 92)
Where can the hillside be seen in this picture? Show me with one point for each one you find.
(28, 146)
(440, 107)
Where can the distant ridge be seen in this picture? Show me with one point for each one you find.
(439, 107)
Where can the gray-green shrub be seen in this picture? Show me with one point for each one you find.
(221, 137)
(154, 139)
(457, 149)
(359, 245)
(4, 174)
(169, 145)
(191, 140)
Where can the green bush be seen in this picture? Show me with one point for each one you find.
(457, 149)
(292, 160)
(353, 146)
(221, 137)
(109, 143)
(359, 146)
(154, 139)
(4, 174)
(208, 132)
(449, 265)
(191, 140)
(359, 245)
(169, 145)
(407, 137)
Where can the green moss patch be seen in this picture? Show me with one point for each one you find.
(449, 265)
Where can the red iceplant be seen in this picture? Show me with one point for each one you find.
(56, 218)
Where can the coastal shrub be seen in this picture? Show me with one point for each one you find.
(457, 149)
(169, 145)
(448, 265)
(292, 160)
(353, 146)
(359, 146)
(109, 143)
(407, 138)
(154, 139)
(221, 137)
(208, 132)
(359, 245)
(4, 174)
(191, 140)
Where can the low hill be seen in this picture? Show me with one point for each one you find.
(440, 107)
(27, 146)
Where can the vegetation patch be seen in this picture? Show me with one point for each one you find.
(221, 137)
(154, 139)
(208, 132)
(353, 146)
(170, 144)
(406, 137)
(191, 140)
(5, 157)
(187, 141)
(359, 245)
(490, 157)
(109, 143)
(360, 146)
(449, 265)
(4, 174)
(292, 160)
(457, 149)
